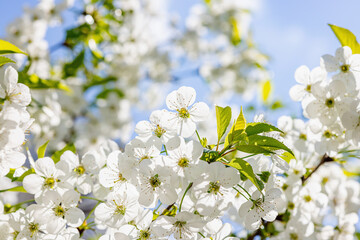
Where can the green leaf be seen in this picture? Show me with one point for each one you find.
(223, 117)
(266, 90)
(260, 127)
(234, 137)
(71, 68)
(204, 142)
(5, 60)
(346, 38)
(97, 80)
(56, 156)
(14, 189)
(42, 149)
(21, 178)
(77, 35)
(171, 212)
(276, 105)
(253, 149)
(209, 155)
(33, 81)
(10, 173)
(106, 92)
(235, 34)
(246, 169)
(264, 176)
(286, 156)
(240, 123)
(357, 235)
(268, 143)
(237, 129)
(8, 48)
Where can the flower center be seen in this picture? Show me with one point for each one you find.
(330, 102)
(33, 228)
(80, 170)
(324, 180)
(284, 186)
(345, 68)
(59, 211)
(183, 113)
(144, 235)
(291, 205)
(258, 202)
(120, 209)
(327, 134)
(308, 88)
(154, 181)
(49, 182)
(307, 198)
(179, 224)
(293, 236)
(214, 187)
(183, 162)
(15, 234)
(121, 178)
(159, 131)
(144, 157)
(303, 136)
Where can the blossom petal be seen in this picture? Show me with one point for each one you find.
(45, 167)
(199, 112)
(33, 183)
(302, 75)
(74, 217)
(330, 63)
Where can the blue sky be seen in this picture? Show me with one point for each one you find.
(295, 33)
(292, 33)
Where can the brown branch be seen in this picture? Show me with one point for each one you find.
(323, 160)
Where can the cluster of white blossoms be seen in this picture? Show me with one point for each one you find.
(290, 182)
(330, 97)
(219, 34)
(166, 184)
(14, 120)
(127, 47)
(158, 186)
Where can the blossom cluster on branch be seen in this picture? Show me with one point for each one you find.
(63, 177)
(118, 53)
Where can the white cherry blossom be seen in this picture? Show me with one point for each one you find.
(186, 116)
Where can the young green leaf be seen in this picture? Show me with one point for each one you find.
(266, 90)
(14, 189)
(260, 127)
(264, 176)
(268, 143)
(235, 36)
(8, 48)
(240, 123)
(71, 68)
(42, 149)
(56, 156)
(33, 81)
(209, 155)
(103, 94)
(346, 38)
(253, 149)
(246, 169)
(5, 60)
(237, 130)
(223, 117)
(21, 178)
(286, 156)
